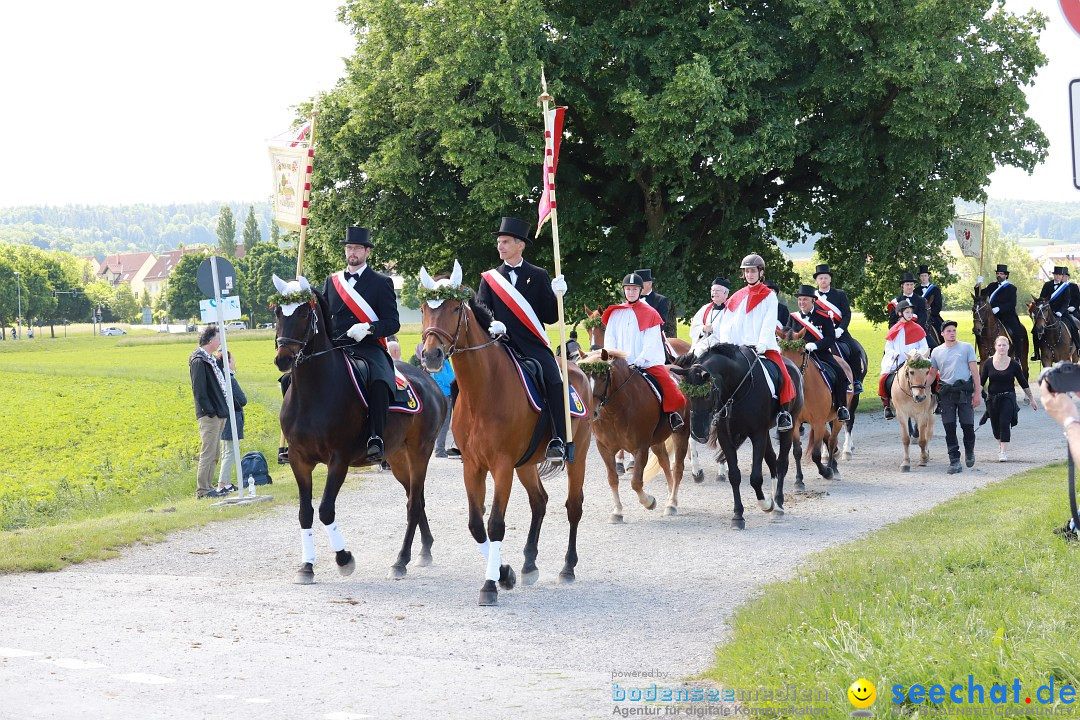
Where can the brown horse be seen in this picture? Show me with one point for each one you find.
(1049, 331)
(627, 417)
(986, 328)
(493, 424)
(913, 401)
(817, 412)
(325, 421)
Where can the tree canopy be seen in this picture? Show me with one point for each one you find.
(696, 132)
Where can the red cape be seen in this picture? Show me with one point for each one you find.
(753, 294)
(913, 333)
(647, 317)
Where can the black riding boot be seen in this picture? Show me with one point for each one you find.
(378, 397)
(889, 413)
(840, 402)
(784, 422)
(969, 444)
(556, 399)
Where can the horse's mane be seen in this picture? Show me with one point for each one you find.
(482, 313)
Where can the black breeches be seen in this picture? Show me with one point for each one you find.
(556, 398)
(839, 379)
(378, 397)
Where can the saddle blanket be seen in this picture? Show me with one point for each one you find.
(403, 398)
(532, 392)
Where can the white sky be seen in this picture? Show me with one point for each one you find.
(118, 101)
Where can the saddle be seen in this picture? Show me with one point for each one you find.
(828, 374)
(889, 379)
(403, 397)
(532, 382)
(772, 374)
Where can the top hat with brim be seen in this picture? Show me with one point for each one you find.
(1061, 270)
(514, 228)
(645, 273)
(822, 269)
(722, 281)
(924, 269)
(806, 291)
(907, 277)
(1002, 269)
(1065, 270)
(357, 236)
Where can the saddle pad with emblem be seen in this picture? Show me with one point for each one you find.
(403, 398)
(532, 392)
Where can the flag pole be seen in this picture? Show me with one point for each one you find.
(545, 100)
(307, 197)
(982, 235)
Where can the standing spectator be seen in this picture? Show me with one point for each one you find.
(394, 348)
(208, 387)
(228, 457)
(959, 373)
(1000, 371)
(443, 378)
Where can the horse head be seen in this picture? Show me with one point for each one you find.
(701, 395)
(980, 310)
(594, 325)
(915, 372)
(295, 320)
(445, 308)
(1039, 310)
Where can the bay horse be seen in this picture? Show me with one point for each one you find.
(493, 424)
(1049, 331)
(986, 328)
(736, 404)
(627, 416)
(914, 404)
(325, 421)
(817, 410)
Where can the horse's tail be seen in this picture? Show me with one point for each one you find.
(652, 468)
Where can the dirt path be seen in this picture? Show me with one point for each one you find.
(209, 625)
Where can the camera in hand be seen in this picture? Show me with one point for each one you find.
(1062, 377)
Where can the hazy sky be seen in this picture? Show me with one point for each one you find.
(120, 102)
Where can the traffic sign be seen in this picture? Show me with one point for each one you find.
(230, 309)
(1071, 10)
(1074, 116)
(226, 274)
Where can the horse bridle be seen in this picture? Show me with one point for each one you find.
(604, 397)
(725, 410)
(445, 337)
(312, 330)
(912, 387)
(1043, 311)
(980, 311)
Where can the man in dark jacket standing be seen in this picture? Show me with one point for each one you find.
(363, 313)
(211, 410)
(522, 299)
(659, 303)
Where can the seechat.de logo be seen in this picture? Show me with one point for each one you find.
(862, 695)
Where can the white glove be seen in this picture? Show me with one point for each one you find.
(1072, 309)
(359, 331)
(558, 285)
(839, 332)
(761, 348)
(1058, 314)
(811, 347)
(995, 310)
(496, 329)
(980, 279)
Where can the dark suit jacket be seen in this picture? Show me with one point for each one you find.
(783, 315)
(209, 397)
(378, 290)
(822, 322)
(1066, 299)
(1004, 301)
(934, 301)
(918, 305)
(663, 305)
(839, 298)
(534, 284)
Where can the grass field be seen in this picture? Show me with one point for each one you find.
(977, 586)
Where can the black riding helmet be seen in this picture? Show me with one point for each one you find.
(633, 279)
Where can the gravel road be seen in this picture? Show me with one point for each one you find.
(209, 624)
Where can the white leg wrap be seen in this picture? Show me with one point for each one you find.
(484, 549)
(307, 540)
(494, 560)
(337, 542)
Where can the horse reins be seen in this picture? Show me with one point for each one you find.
(725, 409)
(446, 337)
(604, 398)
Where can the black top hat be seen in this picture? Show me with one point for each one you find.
(514, 228)
(357, 236)
(822, 269)
(1002, 269)
(1061, 270)
(924, 269)
(722, 281)
(806, 291)
(907, 277)
(645, 273)
(1065, 269)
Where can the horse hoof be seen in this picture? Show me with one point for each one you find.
(529, 577)
(305, 575)
(905, 468)
(424, 560)
(826, 473)
(507, 577)
(489, 594)
(566, 577)
(922, 463)
(847, 454)
(800, 487)
(345, 563)
(698, 476)
(671, 511)
(615, 519)
(738, 524)
(767, 505)
(777, 514)
(721, 477)
(396, 572)
(651, 504)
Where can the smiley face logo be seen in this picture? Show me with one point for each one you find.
(862, 693)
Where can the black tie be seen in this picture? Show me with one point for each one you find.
(352, 276)
(512, 269)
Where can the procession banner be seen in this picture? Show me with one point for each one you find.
(553, 124)
(288, 166)
(969, 236)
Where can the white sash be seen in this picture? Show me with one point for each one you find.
(361, 303)
(517, 303)
(810, 327)
(832, 308)
(1001, 285)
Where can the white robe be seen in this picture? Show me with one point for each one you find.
(697, 324)
(643, 349)
(896, 350)
(739, 327)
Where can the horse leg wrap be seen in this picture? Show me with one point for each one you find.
(307, 541)
(337, 542)
(484, 548)
(494, 560)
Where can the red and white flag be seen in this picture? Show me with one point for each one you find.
(303, 136)
(553, 125)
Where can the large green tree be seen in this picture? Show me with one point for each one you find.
(696, 132)
(256, 270)
(183, 291)
(226, 233)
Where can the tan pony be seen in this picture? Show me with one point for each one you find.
(914, 404)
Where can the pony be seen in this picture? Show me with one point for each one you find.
(324, 421)
(986, 328)
(496, 429)
(817, 410)
(1053, 338)
(627, 416)
(914, 405)
(731, 401)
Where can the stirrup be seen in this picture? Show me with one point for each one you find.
(283, 456)
(857, 386)
(676, 421)
(556, 451)
(375, 448)
(890, 414)
(784, 423)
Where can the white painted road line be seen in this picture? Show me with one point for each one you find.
(14, 652)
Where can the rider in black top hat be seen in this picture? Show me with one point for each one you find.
(834, 303)
(907, 292)
(820, 338)
(538, 292)
(1002, 298)
(660, 303)
(1064, 298)
(932, 295)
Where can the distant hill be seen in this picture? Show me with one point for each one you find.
(101, 230)
(1020, 219)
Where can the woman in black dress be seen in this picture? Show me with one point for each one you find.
(999, 372)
